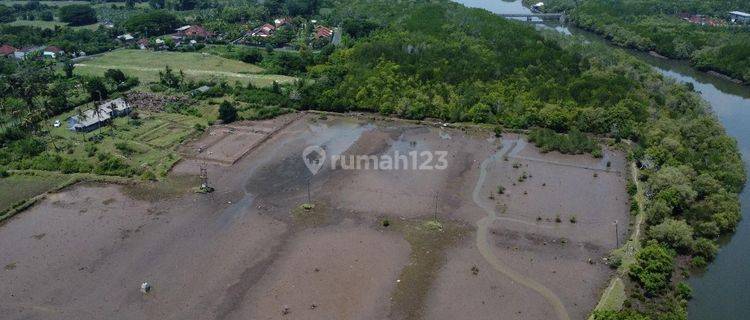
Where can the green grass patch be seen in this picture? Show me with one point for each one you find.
(17, 188)
(146, 144)
(50, 24)
(170, 187)
(146, 64)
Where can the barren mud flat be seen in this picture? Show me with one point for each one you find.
(377, 244)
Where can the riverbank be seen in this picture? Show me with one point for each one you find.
(719, 291)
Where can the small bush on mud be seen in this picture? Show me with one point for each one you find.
(475, 270)
(699, 263)
(385, 223)
(573, 219)
(557, 219)
(500, 189)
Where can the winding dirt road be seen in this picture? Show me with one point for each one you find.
(483, 226)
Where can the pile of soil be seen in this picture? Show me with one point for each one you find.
(151, 101)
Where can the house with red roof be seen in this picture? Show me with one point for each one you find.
(263, 31)
(323, 32)
(7, 50)
(52, 52)
(193, 31)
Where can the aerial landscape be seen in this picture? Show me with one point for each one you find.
(374, 159)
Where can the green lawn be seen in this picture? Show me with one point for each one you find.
(146, 64)
(20, 187)
(49, 24)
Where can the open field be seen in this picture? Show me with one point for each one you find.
(20, 187)
(146, 65)
(368, 249)
(50, 24)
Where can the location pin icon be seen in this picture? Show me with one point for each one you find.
(314, 157)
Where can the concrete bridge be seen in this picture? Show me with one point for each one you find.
(541, 16)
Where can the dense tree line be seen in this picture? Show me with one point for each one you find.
(70, 40)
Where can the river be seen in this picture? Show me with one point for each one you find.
(722, 292)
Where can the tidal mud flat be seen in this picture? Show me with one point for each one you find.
(369, 249)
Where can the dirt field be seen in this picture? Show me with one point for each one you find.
(369, 249)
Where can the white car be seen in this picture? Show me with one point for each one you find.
(57, 123)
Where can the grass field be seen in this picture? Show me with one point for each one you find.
(18, 188)
(10, 3)
(146, 64)
(149, 143)
(49, 24)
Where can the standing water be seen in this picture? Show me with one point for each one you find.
(720, 292)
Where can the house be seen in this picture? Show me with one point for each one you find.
(281, 21)
(7, 50)
(143, 43)
(117, 107)
(95, 118)
(193, 31)
(126, 37)
(23, 53)
(263, 31)
(323, 32)
(537, 7)
(52, 52)
(739, 17)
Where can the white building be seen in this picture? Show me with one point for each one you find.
(739, 17)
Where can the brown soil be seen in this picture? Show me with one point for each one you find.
(246, 251)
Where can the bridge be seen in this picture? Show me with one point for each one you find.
(541, 16)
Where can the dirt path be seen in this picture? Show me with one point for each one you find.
(486, 251)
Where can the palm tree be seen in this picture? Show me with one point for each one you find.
(81, 117)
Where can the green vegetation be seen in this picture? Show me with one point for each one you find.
(77, 14)
(656, 25)
(653, 268)
(227, 112)
(17, 188)
(146, 66)
(152, 23)
(574, 142)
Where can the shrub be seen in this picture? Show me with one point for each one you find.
(77, 14)
(675, 233)
(653, 268)
(125, 148)
(574, 142)
(705, 248)
(385, 222)
(3, 172)
(699, 262)
(227, 112)
(148, 175)
(573, 219)
(684, 291)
